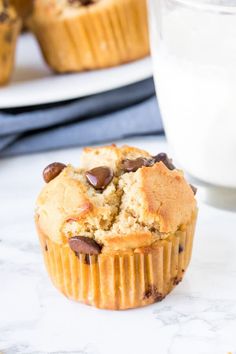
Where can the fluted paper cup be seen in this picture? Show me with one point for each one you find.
(102, 35)
(120, 280)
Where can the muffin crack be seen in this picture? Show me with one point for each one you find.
(113, 211)
(117, 205)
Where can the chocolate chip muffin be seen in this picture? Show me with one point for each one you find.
(117, 232)
(77, 35)
(9, 30)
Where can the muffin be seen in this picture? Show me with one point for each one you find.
(77, 35)
(117, 232)
(9, 30)
(23, 8)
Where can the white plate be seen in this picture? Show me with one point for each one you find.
(33, 83)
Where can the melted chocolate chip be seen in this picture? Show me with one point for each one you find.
(151, 292)
(99, 177)
(84, 245)
(3, 16)
(176, 280)
(52, 171)
(81, 2)
(46, 248)
(194, 189)
(86, 2)
(162, 157)
(134, 165)
(181, 248)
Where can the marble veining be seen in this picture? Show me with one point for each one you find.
(198, 317)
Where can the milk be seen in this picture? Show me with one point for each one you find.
(194, 58)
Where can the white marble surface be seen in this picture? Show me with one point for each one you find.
(199, 317)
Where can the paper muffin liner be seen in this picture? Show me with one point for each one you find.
(9, 31)
(109, 34)
(123, 280)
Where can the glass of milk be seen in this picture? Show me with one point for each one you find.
(194, 58)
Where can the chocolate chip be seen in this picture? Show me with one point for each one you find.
(52, 171)
(133, 165)
(99, 177)
(81, 2)
(163, 157)
(46, 248)
(151, 292)
(84, 245)
(3, 16)
(181, 248)
(176, 280)
(86, 2)
(194, 189)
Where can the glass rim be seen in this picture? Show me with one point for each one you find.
(228, 7)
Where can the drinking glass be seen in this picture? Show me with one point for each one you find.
(193, 45)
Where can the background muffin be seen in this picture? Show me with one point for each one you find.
(9, 30)
(82, 35)
(117, 232)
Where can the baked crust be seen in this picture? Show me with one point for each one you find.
(135, 210)
(169, 202)
(61, 199)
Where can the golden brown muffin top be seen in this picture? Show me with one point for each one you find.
(121, 198)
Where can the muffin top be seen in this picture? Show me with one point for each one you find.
(7, 12)
(119, 198)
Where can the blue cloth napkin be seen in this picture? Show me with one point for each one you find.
(120, 113)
